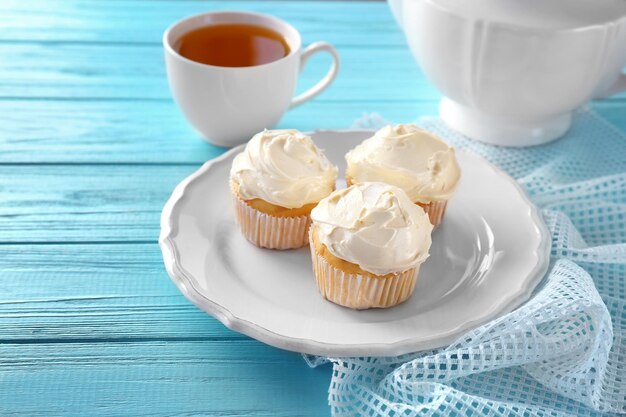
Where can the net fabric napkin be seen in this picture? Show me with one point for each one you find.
(563, 353)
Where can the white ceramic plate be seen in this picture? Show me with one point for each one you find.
(488, 255)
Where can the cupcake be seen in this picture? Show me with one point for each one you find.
(275, 183)
(412, 159)
(367, 244)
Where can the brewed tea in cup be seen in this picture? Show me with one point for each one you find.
(233, 45)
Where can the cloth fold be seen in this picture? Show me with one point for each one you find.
(563, 353)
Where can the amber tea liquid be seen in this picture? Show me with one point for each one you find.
(233, 45)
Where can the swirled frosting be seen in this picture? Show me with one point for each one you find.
(375, 226)
(283, 167)
(421, 164)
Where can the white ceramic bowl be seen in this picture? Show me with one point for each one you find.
(513, 71)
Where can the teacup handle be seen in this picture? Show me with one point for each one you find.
(324, 82)
(617, 87)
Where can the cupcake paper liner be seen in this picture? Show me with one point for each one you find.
(267, 231)
(435, 211)
(361, 291)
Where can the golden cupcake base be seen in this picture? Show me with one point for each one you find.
(267, 231)
(358, 290)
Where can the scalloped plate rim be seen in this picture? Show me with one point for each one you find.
(309, 346)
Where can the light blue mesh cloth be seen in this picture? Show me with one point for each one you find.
(562, 353)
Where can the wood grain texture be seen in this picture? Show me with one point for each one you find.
(111, 71)
(118, 131)
(106, 292)
(161, 378)
(126, 132)
(91, 146)
(107, 203)
(143, 21)
(132, 72)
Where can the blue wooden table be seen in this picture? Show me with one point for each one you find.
(91, 145)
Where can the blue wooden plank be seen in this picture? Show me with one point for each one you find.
(110, 71)
(125, 131)
(52, 70)
(98, 329)
(132, 21)
(84, 203)
(115, 292)
(155, 379)
(75, 131)
(87, 203)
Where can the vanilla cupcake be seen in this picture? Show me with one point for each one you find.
(412, 159)
(367, 244)
(275, 183)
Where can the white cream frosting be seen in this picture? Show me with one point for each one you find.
(418, 162)
(283, 167)
(375, 226)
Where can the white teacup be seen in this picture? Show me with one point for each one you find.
(227, 105)
(513, 71)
